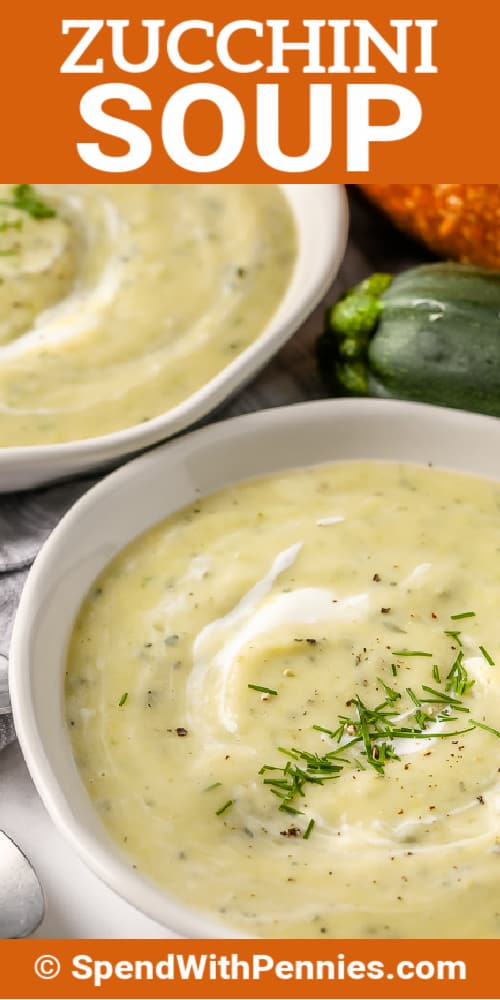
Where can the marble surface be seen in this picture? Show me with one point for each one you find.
(78, 904)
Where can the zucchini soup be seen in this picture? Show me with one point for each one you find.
(284, 702)
(118, 301)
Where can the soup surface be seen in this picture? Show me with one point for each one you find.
(128, 298)
(277, 701)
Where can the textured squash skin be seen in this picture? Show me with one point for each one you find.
(461, 221)
(438, 339)
(430, 334)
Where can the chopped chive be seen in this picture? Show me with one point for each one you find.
(440, 695)
(329, 732)
(463, 614)
(376, 728)
(489, 659)
(26, 199)
(309, 829)
(227, 805)
(265, 690)
(391, 694)
(417, 734)
(216, 784)
(489, 729)
(458, 678)
(281, 793)
(345, 746)
(453, 635)
(123, 699)
(10, 224)
(411, 694)
(410, 652)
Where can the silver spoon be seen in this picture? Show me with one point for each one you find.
(22, 905)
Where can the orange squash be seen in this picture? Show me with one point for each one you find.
(461, 221)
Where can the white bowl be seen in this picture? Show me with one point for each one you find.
(321, 217)
(137, 496)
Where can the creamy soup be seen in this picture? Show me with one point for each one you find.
(123, 299)
(277, 700)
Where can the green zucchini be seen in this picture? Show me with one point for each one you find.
(430, 334)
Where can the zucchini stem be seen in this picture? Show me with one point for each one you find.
(350, 324)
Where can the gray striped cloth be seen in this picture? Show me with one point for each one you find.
(6, 726)
(7, 733)
(10, 591)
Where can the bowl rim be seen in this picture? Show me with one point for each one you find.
(104, 859)
(277, 330)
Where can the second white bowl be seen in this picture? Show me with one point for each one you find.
(320, 214)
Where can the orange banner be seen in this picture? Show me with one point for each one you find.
(243, 968)
(254, 92)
